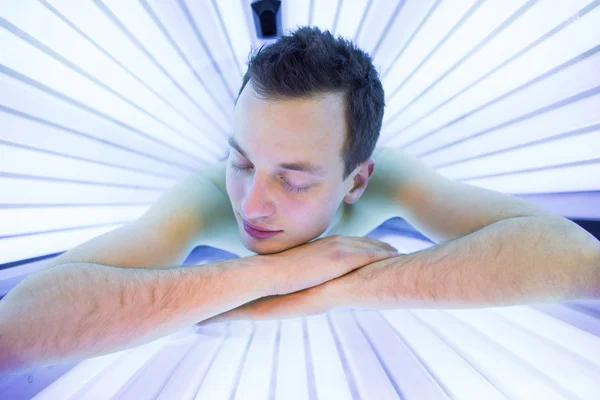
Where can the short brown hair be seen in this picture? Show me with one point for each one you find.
(308, 61)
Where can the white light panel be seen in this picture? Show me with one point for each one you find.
(19, 129)
(72, 46)
(295, 14)
(138, 23)
(405, 371)
(575, 116)
(412, 15)
(560, 333)
(79, 377)
(237, 33)
(552, 88)
(16, 160)
(192, 100)
(255, 383)
(26, 247)
(351, 13)
(374, 25)
(221, 378)
(583, 147)
(105, 105)
(291, 380)
(120, 373)
(479, 25)
(504, 370)
(535, 31)
(19, 98)
(18, 221)
(461, 379)
(324, 14)
(363, 364)
(331, 381)
(206, 20)
(577, 378)
(30, 61)
(185, 380)
(445, 16)
(18, 190)
(578, 178)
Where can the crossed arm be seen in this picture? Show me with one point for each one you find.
(520, 260)
(492, 250)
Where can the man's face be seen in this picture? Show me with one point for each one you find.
(299, 203)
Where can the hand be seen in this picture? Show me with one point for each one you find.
(361, 288)
(324, 259)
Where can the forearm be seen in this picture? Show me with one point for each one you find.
(510, 262)
(82, 310)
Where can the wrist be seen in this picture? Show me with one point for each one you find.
(264, 274)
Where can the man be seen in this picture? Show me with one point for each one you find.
(303, 183)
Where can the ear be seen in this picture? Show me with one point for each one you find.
(360, 180)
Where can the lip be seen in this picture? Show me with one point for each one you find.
(257, 228)
(258, 234)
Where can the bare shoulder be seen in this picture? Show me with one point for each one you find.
(164, 235)
(216, 173)
(401, 169)
(215, 204)
(390, 178)
(195, 205)
(385, 174)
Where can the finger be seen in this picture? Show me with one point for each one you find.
(302, 303)
(226, 316)
(375, 242)
(250, 311)
(244, 311)
(291, 305)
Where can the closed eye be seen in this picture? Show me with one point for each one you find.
(290, 188)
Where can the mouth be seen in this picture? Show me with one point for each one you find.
(258, 234)
(257, 228)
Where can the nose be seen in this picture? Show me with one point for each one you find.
(256, 204)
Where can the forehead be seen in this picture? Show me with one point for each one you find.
(315, 126)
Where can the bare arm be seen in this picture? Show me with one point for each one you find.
(82, 310)
(515, 261)
(111, 293)
(512, 262)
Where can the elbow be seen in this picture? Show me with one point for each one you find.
(585, 250)
(592, 259)
(596, 257)
(9, 361)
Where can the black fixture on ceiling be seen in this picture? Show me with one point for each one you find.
(267, 18)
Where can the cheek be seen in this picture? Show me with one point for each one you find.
(306, 214)
(235, 188)
(309, 214)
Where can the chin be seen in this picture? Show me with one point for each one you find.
(260, 250)
(263, 248)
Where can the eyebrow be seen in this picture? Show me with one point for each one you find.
(302, 166)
